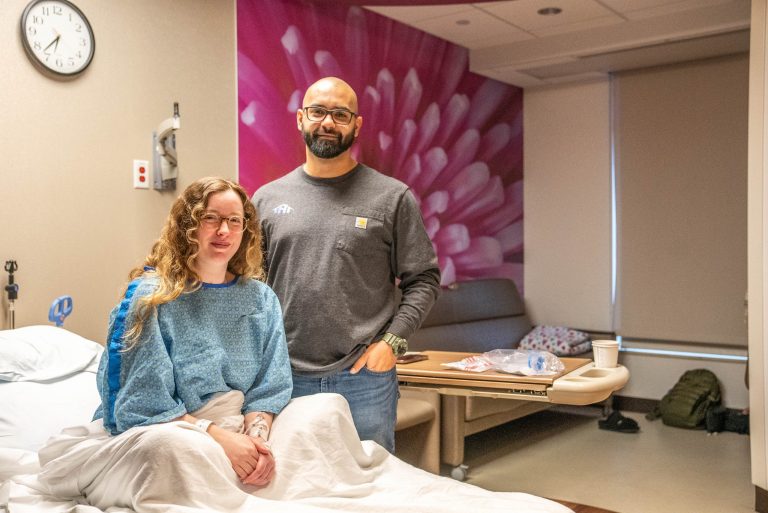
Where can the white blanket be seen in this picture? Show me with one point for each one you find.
(321, 466)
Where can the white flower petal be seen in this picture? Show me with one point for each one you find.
(452, 239)
(482, 253)
(493, 141)
(511, 238)
(428, 125)
(460, 155)
(436, 203)
(489, 98)
(447, 271)
(410, 96)
(453, 117)
(468, 183)
(403, 144)
(302, 69)
(433, 162)
(326, 64)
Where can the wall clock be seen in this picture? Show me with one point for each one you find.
(57, 37)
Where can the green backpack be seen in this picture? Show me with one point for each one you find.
(686, 404)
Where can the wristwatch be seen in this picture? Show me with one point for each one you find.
(398, 344)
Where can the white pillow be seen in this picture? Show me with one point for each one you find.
(30, 412)
(40, 353)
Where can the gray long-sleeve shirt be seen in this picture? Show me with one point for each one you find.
(333, 248)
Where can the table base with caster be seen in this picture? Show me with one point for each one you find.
(459, 473)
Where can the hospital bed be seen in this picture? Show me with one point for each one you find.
(47, 382)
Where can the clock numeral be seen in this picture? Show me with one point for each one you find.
(37, 46)
(82, 41)
(32, 31)
(79, 54)
(37, 20)
(78, 27)
(70, 61)
(46, 11)
(57, 10)
(59, 62)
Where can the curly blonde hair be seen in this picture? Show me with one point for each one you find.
(173, 255)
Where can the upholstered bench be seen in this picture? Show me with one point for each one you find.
(417, 432)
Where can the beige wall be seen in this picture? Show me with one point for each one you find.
(568, 205)
(68, 212)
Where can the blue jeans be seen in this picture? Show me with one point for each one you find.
(372, 398)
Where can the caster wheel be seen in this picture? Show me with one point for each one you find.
(459, 473)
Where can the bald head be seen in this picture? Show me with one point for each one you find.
(331, 93)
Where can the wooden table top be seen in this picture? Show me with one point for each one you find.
(432, 367)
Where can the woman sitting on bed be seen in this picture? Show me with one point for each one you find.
(197, 337)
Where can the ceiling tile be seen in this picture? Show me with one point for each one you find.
(410, 14)
(523, 13)
(667, 8)
(471, 27)
(575, 27)
(625, 7)
(497, 40)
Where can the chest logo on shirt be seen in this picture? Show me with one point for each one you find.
(284, 208)
(361, 222)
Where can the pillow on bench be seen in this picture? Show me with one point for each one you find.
(557, 340)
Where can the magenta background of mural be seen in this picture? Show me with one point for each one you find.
(453, 136)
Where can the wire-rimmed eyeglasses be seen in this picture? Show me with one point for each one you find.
(235, 224)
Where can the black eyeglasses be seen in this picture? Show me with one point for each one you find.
(339, 116)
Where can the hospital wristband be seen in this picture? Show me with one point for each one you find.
(258, 428)
(204, 424)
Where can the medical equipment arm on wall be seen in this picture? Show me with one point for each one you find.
(12, 289)
(165, 168)
(60, 309)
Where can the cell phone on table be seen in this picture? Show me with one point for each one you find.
(412, 357)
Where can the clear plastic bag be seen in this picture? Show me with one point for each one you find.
(525, 362)
(512, 361)
(471, 364)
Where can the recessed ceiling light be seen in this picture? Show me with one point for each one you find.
(549, 11)
(462, 22)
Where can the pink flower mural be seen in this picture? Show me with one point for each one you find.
(454, 137)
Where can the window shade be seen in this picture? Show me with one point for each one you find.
(681, 166)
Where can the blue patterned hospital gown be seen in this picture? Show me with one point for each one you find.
(215, 339)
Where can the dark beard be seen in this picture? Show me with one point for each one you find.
(326, 148)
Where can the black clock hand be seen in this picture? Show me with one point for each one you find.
(55, 42)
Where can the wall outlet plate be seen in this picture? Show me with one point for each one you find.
(141, 174)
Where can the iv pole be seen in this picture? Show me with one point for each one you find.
(12, 289)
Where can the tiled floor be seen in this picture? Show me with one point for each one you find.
(661, 469)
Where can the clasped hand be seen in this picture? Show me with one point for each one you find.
(251, 458)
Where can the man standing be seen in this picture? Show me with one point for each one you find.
(336, 236)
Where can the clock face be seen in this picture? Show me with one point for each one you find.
(57, 36)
